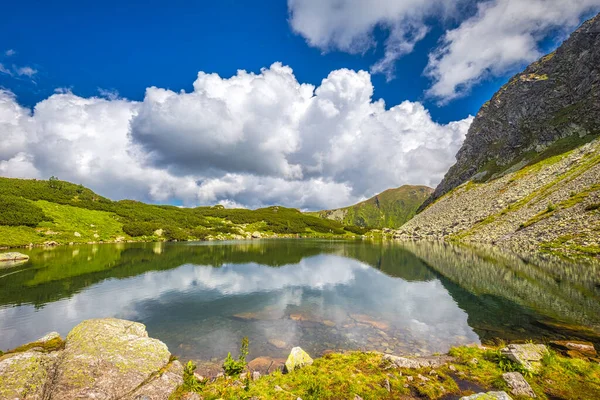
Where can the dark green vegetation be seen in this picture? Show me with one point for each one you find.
(233, 367)
(342, 376)
(15, 211)
(389, 209)
(36, 211)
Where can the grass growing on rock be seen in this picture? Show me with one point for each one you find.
(342, 376)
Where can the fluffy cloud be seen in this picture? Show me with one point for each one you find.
(503, 34)
(348, 25)
(251, 140)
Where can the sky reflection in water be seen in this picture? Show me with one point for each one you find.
(202, 299)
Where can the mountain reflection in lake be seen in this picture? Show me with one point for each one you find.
(202, 298)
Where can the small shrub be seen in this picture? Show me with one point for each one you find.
(236, 367)
(174, 233)
(190, 382)
(356, 230)
(551, 207)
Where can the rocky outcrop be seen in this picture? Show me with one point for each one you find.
(101, 359)
(556, 97)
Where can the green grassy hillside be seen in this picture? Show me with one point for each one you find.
(38, 211)
(389, 209)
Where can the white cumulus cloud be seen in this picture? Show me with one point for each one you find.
(502, 35)
(348, 25)
(251, 140)
(493, 37)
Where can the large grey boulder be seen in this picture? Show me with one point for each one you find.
(528, 355)
(102, 359)
(517, 384)
(24, 375)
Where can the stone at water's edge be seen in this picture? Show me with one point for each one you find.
(13, 256)
(488, 396)
(528, 355)
(12, 259)
(102, 359)
(298, 358)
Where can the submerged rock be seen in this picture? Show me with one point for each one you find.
(517, 384)
(528, 355)
(298, 358)
(102, 359)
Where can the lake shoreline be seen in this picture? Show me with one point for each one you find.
(123, 359)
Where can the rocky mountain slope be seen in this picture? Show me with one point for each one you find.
(528, 174)
(556, 97)
(389, 209)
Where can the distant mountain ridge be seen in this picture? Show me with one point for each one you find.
(389, 209)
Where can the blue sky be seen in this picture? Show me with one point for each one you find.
(77, 45)
(123, 91)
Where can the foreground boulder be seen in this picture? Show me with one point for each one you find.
(102, 359)
(517, 384)
(528, 355)
(298, 358)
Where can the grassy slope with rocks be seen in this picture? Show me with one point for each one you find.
(366, 375)
(145, 368)
(38, 211)
(548, 206)
(389, 209)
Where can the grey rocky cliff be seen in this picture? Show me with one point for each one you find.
(554, 98)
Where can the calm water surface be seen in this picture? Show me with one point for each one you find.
(202, 298)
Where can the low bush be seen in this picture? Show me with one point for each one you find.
(236, 367)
